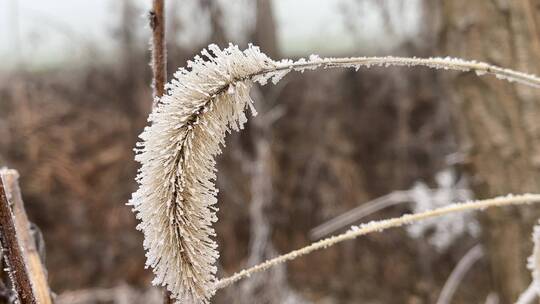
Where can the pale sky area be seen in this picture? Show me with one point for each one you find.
(48, 32)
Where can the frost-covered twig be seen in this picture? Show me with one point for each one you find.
(13, 252)
(448, 63)
(176, 196)
(378, 226)
(455, 278)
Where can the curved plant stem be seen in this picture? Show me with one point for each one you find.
(455, 278)
(352, 216)
(356, 214)
(378, 226)
(447, 63)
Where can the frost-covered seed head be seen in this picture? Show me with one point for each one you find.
(176, 196)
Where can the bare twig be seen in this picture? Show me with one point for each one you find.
(159, 53)
(34, 266)
(354, 215)
(10, 246)
(350, 217)
(455, 278)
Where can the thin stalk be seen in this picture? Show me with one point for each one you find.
(10, 246)
(354, 215)
(350, 217)
(448, 63)
(379, 226)
(159, 52)
(457, 275)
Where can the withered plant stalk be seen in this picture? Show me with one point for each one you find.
(159, 52)
(12, 250)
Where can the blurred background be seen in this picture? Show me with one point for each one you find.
(75, 93)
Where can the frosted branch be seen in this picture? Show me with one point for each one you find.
(379, 226)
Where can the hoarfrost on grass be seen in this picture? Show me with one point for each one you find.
(176, 198)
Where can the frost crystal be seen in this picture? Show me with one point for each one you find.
(176, 196)
(445, 229)
(533, 263)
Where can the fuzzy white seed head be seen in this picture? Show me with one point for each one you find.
(176, 196)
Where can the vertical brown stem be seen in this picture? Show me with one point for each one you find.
(13, 252)
(159, 54)
(159, 67)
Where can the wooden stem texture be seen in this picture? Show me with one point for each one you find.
(159, 53)
(12, 250)
(34, 266)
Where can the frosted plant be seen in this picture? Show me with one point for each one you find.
(176, 198)
(445, 229)
(379, 226)
(533, 263)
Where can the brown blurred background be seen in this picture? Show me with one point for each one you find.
(323, 143)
